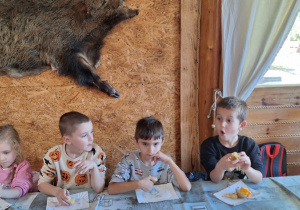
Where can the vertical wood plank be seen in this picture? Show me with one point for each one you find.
(190, 28)
(209, 62)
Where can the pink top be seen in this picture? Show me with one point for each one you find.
(22, 179)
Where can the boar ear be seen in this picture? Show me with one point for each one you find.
(81, 12)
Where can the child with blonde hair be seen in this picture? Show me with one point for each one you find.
(15, 172)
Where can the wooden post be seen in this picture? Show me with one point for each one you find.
(190, 30)
(200, 74)
(209, 63)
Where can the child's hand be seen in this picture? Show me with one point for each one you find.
(227, 164)
(63, 197)
(162, 157)
(244, 161)
(146, 184)
(83, 166)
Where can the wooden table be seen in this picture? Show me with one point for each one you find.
(276, 193)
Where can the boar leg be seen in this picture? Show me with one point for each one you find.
(84, 72)
(85, 56)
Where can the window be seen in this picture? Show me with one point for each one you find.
(285, 69)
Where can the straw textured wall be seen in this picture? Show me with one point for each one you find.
(141, 59)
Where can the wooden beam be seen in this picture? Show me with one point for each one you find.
(200, 74)
(209, 63)
(190, 28)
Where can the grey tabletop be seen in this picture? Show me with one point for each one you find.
(201, 197)
(276, 193)
(40, 201)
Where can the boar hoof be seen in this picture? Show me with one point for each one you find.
(133, 13)
(115, 94)
(107, 88)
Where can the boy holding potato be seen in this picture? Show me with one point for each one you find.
(230, 155)
(142, 168)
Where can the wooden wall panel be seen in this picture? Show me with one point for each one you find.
(293, 169)
(293, 158)
(274, 116)
(141, 59)
(275, 96)
(261, 130)
(281, 115)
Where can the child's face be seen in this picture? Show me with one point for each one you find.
(149, 147)
(7, 155)
(228, 125)
(82, 139)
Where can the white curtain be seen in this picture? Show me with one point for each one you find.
(253, 32)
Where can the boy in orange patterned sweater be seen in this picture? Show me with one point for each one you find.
(78, 163)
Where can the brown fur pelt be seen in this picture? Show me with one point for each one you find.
(66, 35)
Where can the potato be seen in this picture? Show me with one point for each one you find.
(154, 179)
(231, 195)
(243, 192)
(234, 156)
(71, 200)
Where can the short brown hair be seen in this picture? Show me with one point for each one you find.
(148, 128)
(235, 104)
(69, 121)
(9, 134)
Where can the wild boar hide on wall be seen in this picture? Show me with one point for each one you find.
(66, 35)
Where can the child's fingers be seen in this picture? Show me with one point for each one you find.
(82, 167)
(67, 193)
(65, 202)
(227, 156)
(157, 155)
(155, 160)
(242, 154)
(235, 161)
(154, 179)
(77, 163)
(81, 170)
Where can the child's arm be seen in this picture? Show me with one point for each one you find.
(59, 193)
(21, 183)
(9, 193)
(245, 163)
(97, 180)
(181, 178)
(217, 174)
(145, 184)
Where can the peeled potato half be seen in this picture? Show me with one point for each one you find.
(154, 179)
(243, 192)
(71, 200)
(234, 156)
(231, 195)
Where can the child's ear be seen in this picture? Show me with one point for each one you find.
(66, 139)
(243, 125)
